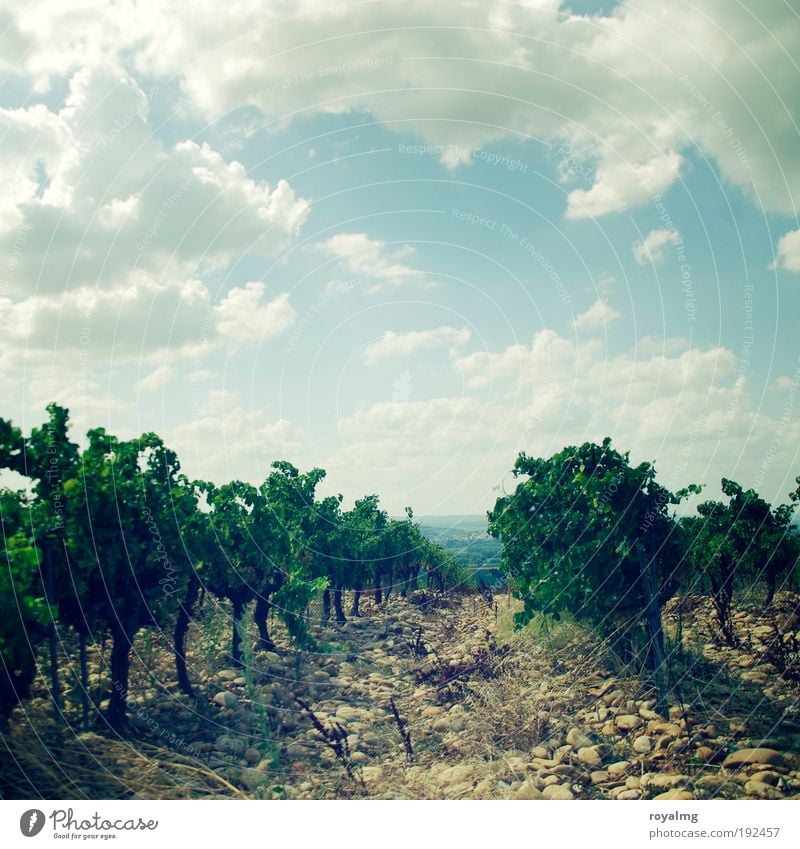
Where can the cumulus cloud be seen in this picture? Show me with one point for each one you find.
(688, 409)
(393, 344)
(96, 197)
(627, 93)
(245, 316)
(651, 248)
(599, 315)
(371, 259)
(620, 184)
(140, 321)
(624, 94)
(787, 254)
(226, 440)
(158, 378)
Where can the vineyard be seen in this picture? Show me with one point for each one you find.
(171, 638)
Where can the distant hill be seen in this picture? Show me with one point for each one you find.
(465, 537)
(469, 524)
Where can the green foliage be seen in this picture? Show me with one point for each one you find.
(742, 541)
(116, 539)
(23, 611)
(578, 532)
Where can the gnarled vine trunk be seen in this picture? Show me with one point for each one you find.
(181, 628)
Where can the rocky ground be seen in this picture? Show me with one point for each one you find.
(440, 699)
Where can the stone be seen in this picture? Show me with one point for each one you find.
(632, 782)
(642, 745)
(629, 794)
(371, 774)
(226, 699)
(704, 754)
(227, 674)
(441, 725)
(770, 757)
(762, 790)
(755, 677)
(527, 790)
(346, 713)
(660, 727)
(557, 792)
(712, 782)
(253, 778)
(618, 768)
(590, 756)
(252, 756)
(296, 750)
(540, 752)
(577, 739)
(456, 774)
(359, 758)
(768, 777)
(628, 722)
(599, 776)
(673, 794)
(231, 745)
(662, 780)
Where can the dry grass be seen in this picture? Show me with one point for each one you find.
(53, 763)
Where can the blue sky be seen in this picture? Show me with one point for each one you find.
(405, 243)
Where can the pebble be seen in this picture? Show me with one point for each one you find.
(674, 794)
(253, 778)
(577, 739)
(618, 768)
(642, 745)
(227, 674)
(527, 790)
(590, 755)
(628, 722)
(557, 792)
(762, 790)
(768, 777)
(226, 699)
(772, 757)
(662, 780)
(629, 794)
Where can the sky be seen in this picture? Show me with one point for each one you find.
(404, 241)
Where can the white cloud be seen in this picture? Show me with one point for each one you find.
(245, 317)
(651, 248)
(685, 408)
(787, 254)
(599, 315)
(226, 440)
(91, 196)
(157, 379)
(140, 321)
(393, 344)
(371, 259)
(620, 184)
(627, 92)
